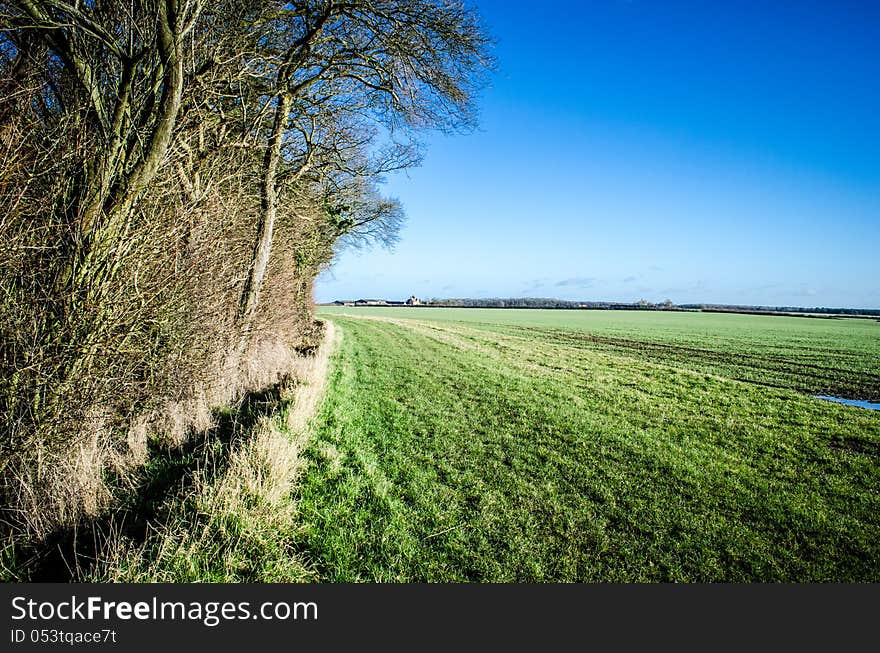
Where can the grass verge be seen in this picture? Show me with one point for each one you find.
(231, 519)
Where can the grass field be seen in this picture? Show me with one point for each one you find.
(515, 445)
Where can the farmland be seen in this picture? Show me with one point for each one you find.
(519, 445)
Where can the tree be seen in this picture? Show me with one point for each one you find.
(173, 174)
(347, 67)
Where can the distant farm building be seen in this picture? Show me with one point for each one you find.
(412, 301)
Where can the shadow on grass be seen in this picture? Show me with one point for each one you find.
(69, 554)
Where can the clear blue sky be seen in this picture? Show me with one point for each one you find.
(703, 152)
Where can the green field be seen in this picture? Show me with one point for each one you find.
(522, 445)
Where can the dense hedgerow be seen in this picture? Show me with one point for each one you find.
(173, 175)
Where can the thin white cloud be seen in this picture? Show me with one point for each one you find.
(579, 282)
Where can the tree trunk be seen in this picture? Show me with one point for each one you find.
(268, 208)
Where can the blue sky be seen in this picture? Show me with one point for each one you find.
(702, 152)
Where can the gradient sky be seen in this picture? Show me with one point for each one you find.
(703, 152)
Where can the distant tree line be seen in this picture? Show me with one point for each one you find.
(642, 304)
(503, 302)
(547, 302)
(731, 308)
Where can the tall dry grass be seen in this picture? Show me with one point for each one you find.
(239, 524)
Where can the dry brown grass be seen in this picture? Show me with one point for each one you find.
(236, 526)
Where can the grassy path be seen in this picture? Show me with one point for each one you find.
(451, 451)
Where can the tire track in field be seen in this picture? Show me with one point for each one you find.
(489, 345)
(805, 377)
(526, 355)
(552, 351)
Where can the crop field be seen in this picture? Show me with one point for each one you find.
(529, 445)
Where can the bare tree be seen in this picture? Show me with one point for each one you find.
(173, 174)
(402, 64)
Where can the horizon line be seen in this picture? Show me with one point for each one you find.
(611, 302)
